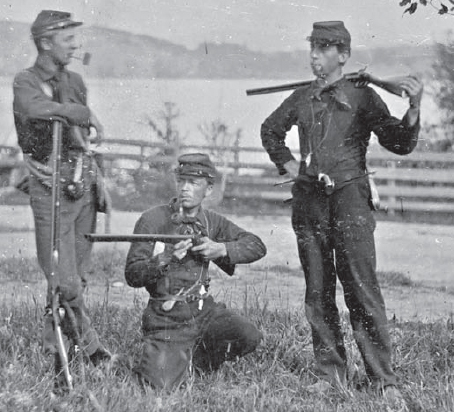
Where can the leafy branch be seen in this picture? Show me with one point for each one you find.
(438, 5)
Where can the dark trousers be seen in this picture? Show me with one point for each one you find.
(335, 240)
(189, 338)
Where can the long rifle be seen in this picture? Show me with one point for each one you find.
(94, 237)
(361, 78)
(55, 250)
(59, 306)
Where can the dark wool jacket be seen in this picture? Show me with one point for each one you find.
(145, 270)
(335, 125)
(34, 109)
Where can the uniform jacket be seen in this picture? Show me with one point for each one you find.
(35, 107)
(335, 125)
(144, 268)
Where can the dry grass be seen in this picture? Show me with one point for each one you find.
(274, 378)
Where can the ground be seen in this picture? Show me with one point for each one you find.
(418, 253)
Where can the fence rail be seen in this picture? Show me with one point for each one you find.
(421, 181)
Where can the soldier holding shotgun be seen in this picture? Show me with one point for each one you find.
(48, 95)
(182, 325)
(331, 209)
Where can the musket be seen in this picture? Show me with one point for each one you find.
(95, 237)
(361, 78)
(61, 308)
(55, 250)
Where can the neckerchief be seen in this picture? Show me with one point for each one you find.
(186, 225)
(335, 92)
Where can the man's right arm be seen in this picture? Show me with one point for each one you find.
(143, 268)
(148, 261)
(31, 102)
(273, 133)
(143, 265)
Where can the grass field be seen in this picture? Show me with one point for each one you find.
(273, 378)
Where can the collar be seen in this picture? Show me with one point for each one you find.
(178, 218)
(335, 91)
(45, 69)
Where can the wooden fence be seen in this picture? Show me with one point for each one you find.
(419, 182)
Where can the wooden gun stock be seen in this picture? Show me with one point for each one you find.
(94, 237)
(361, 78)
(391, 84)
(62, 351)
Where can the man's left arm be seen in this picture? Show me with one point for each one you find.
(414, 88)
(81, 91)
(31, 102)
(231, 245)
(96, 124)
(398, 136)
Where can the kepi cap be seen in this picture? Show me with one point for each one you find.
(48, 20)
(196, 165)
(330, 32)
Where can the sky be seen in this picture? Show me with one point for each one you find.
(262, 25)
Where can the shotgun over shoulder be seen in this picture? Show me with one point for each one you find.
(361, 78)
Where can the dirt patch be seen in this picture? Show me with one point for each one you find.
(248, 288)
(421, 252)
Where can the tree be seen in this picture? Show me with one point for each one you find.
(168, 133)
(439, 5)
(219, 139)
(154, 183)
(444, 73)
(444, 85)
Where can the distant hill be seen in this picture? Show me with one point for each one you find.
(118, 53)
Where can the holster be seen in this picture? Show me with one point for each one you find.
(76, 175)
(374, 197)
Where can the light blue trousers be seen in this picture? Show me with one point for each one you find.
(76, 219)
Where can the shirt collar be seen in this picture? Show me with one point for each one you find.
(44, 69)
(178, 218)
(335, 91)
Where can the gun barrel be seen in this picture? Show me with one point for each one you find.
(94, 237)
(391, 85)
(280, 88)
(355, 76)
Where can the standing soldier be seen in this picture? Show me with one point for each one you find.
(182, 324)
(43, 93)
(331, 211)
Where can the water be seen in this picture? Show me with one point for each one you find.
(126, 105)
(123, 106)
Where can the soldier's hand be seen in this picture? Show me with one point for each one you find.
(209, 249)
(414, 88)
(293, 168)
(180, 250)
(96, 124)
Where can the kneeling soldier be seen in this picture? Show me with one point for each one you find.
(182, 324)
